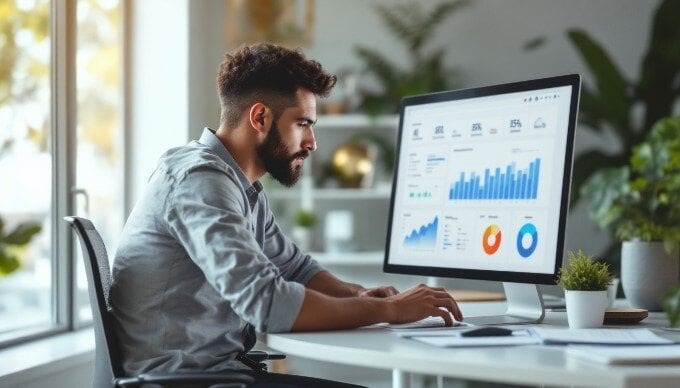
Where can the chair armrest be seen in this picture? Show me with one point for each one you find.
(228, 377)
(260, 355)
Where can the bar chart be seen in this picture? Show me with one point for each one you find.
(506, 182)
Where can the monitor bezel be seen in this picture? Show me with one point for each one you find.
(573, 80)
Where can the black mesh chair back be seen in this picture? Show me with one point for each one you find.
(108, 362)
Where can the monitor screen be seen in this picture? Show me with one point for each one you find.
(481, 182)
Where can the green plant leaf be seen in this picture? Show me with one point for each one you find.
(611, 85)
(583, 169)
(8, 263)
(671, 305)
(378, 65)
(661, 64)
(584, 273)
(22, 234)
(535, 43)
(437, 15)
(602, 190)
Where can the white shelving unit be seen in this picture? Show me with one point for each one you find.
(369, 206)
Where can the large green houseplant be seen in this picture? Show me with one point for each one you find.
(641, 202)
(414, 27)
(614, 103)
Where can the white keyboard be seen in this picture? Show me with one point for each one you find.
(424, 323)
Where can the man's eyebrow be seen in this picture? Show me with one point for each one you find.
(306, 119)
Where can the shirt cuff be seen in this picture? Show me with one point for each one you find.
(285, 308)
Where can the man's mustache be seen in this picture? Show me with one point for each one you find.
(302, 154)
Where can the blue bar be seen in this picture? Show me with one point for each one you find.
(538, 165)
(497, 188)
(525, 190)
(461, 184)
(476, 193)
(530, 181)
(508, 183)
(487, 192)
(511, 195)
(492, 182)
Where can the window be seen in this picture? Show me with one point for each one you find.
(38, 91)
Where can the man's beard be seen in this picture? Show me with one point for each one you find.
(277, 160)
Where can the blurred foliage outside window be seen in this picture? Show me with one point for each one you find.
(26, 296)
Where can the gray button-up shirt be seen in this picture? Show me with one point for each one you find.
(200, 260)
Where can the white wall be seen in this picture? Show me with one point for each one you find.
(158, 94)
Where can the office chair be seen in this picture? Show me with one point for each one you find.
(108, 363)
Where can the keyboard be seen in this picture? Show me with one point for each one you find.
(424, 323)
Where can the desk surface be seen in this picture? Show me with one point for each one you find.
(383, 349)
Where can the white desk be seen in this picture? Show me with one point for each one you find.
(535, 365)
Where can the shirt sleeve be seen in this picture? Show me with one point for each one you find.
(294, 264)
(206, 214)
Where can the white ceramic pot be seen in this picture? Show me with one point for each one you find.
(302, 237)
(647, 271)
(611, 291)
(585, 308)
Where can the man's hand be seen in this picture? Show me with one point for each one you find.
(421, 302)
(378, 292)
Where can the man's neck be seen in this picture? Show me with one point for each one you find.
(242, 149)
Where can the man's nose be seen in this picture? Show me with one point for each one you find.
(310, 141)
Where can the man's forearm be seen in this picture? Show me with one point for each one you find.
(324, 312)
(327, 284)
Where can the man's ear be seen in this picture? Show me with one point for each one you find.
(259, 117)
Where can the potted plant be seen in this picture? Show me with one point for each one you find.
(303, 222)
(12, 242)
(641, 202)
(585, 283)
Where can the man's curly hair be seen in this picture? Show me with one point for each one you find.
(269, 74)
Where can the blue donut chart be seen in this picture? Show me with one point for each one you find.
(530, 229)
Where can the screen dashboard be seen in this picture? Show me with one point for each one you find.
(481, 181)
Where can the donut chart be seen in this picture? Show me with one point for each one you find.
(491, 240)
(527, 229)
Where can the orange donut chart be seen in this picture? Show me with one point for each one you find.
(495, 231)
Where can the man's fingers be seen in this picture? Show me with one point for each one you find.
(445, 316)
(451, 306)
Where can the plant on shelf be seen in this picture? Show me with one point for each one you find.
(11, 243)
(641, 203)
(671, 305)
(414, 27)
(305, 219)
(303, 222)
(585, 283)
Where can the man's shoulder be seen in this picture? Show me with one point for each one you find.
(180, 161)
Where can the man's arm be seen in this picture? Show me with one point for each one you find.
(324, 312)
(327, 284)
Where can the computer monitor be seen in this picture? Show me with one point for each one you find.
(481, 187)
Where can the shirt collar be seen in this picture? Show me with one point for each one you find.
(209, 139)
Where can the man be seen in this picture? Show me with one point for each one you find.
(202, 264)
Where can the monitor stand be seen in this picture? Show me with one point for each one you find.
(525, 305)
